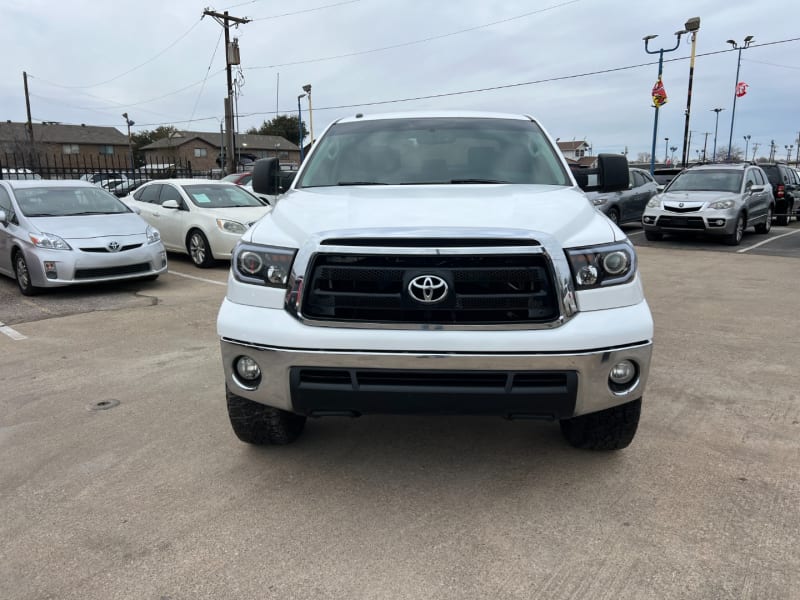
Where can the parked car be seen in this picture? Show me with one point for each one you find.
(57, 233)
(786, 188)
(203, 219)
(664, 175)
(99, 177)
(627, 205)
(20, 173)
(123, 188)
(239, 178)
(716, 199)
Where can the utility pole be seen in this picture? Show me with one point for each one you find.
(231, 58)
(692, 26)
(29, 124)
(755, 149)
(705, 144)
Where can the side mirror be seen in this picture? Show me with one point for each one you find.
(3, 218)
(266, 176)
(611, 175)
(757, 189)
(170, 204)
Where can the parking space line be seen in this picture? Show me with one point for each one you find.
(12, 333)
(767, 241)
(197, 278)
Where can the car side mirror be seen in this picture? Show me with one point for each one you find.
(173, 204)
(266, 176)
(3, 218)
(757, 188)
(611, 175)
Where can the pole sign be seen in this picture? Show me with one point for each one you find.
(741, 89)
(659, 94)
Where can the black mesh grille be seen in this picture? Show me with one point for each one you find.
(104, 249)
(482, 289)
(682, 209)
(681, 222)
(111, 271)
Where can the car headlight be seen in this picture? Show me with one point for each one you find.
(49, 241)
(231, 226)
(152, 234)
(600, 266)
(722, 204)
(654, 202)
(262, 265)
(599, 201)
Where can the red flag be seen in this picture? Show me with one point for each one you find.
(659, 94)
(741, 89)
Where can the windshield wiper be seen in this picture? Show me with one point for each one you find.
(43, 215)
(361, 183)
(478, 181)
(90, 212)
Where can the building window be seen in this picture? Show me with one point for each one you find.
(200, 152)
(71, 149)
(579, 153)
(283, 154)
(107, 150)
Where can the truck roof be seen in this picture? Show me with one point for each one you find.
(434, 115)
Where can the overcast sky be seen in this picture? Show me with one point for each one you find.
(85, 63)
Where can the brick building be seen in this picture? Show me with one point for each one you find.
(83, 144)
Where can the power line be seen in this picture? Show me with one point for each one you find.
(300, 12)
(414, 42)
(203, 86)
(131, 70)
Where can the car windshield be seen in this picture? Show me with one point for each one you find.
(707, 181)
(67, 202)
(444, 150)
(220, 196)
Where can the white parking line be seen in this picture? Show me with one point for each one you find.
(198, 278)
(767, 241)
(12, 333)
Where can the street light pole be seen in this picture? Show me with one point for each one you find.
(666, 150)
(747, 41)
(789, 149)
(307, 90)
(660, 53)
(300, 125)
(746, 144)
(692, 25)
(128, 122)
(716, 128)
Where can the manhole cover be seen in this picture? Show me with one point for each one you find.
(103, 404)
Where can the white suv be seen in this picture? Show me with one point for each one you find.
(436, 263)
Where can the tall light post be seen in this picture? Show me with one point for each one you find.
(747, 41)
(692, 26)
(672, 154)
(300, 125)
(307, 90)
(129, 123)
(666, 150)
(716, 128)
(789, 149)
(657, 104)
(746, 144)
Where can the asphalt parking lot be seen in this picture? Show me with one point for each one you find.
(152, 496)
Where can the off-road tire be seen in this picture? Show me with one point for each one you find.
(609, 429)
(199, 249)
(254, 423)
(653, 236)
(23, 275)
(766, 225)
(735, 238)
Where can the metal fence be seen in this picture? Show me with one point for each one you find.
(67, 166)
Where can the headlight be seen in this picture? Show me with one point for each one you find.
(654, 202)
(598, 201)
(231, 226)
(262, 265)
(722, 204)
(600, 266)
(152, 234)
(50, 241)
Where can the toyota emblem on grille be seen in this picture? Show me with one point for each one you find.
(428, 289)
(680, 204)
(113, 246)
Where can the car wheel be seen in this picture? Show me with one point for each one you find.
(783, 219)
(735, 238)
(766, 225)
(610, 429)
(653, 236)
(23, 275)
(613, 214)
(198, 248)
(258, 424)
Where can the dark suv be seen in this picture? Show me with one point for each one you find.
(785, 187)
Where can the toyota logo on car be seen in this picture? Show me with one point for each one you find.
(428, 289)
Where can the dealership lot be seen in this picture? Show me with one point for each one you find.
(154, 497)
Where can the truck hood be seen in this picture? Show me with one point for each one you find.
(563, 213)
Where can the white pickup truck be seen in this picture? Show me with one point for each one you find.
(436, 263)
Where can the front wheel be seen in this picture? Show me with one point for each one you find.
(23, 276)
(766, 225)
(735, 238)
(613, 214)
(609, 429)
(258, 424)
(199, 250)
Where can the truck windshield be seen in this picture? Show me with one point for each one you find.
(421, 151)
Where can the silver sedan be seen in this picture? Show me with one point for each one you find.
(56, 233)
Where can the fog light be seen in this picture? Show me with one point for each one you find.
(163, 259)
(247, 369)
(720, 222)
(50, 270)
(623, 372)
(587, 275)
